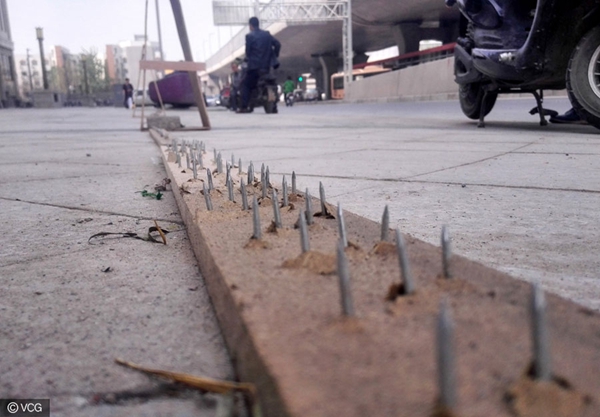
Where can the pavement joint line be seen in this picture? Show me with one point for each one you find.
(71, 178)
(109, 213)
(266, 347)
(45, 257)
(402, 180)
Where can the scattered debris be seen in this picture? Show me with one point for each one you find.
(107, 269)
(163, 186)
(156, 228)
(202, 383)
(158, 195)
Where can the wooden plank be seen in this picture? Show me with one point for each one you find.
(172, 65)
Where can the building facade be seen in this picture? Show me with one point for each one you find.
(123, 61)
(29, 73)
(9, 95)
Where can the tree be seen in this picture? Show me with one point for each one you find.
(93, 70)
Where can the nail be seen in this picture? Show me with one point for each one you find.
(409, 285)
(187, 160)
(227, 173)
(294, 182)
(256, 220)
(309, 217)
(244, 195)
(541, 346)
(195, 170)
(219, 163)
(200, 160)
(267, 178)
(446, 252)
(322, 195)
(179, 159)
(304, 241)
(445, 353)
(232, 160)
(276, 212)
(285, 192)
(209, 206)
(250, 173)
(385, 224)
(344, 278)
(210, 180)
(215, 152)
(262, 171)
(202, 146)
(342, 226)
(263, 183)
(240, 166)
(230, 187)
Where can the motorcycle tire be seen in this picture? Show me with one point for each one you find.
(470, 97)
(583, 78)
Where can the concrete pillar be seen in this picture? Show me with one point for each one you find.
(407, 37)
(328, 66)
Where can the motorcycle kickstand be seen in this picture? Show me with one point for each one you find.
(539, 98)
(481, 122)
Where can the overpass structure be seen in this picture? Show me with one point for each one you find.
(316, 47)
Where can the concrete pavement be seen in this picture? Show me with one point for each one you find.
(516, 196)
(69, 307)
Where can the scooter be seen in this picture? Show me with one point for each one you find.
(289, 99)
(528, 46)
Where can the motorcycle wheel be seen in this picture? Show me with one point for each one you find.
(583, 78)
(470, 97)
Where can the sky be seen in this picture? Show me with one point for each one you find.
(80, 25)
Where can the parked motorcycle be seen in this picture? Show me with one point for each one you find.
(528, 46)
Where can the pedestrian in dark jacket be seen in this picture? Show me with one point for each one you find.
(262, 51)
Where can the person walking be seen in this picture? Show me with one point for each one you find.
(262, 51)
(128, 94)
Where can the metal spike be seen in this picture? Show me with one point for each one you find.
(294, 190)
(219, 163)
(322, 195)
(445, 354)
(309, 216)
(240, 166)
(202, 146)
(446, 252)
(200, 160)
(256, 220)
(276, 212)
(344, 280)
(244, 195)
(250, 174)
(409, 285)
(262, 171)
(227, 173)
(342, 225)
(215, 152)
(210, 180)
(230, 187)
(304, 240)
(385, 224)
(267, 177)
(232, 160)
(187, 160)
(207, 198)
(542, 358)
(284, 188)
(263, 183)
(179, 159)
(195, 170)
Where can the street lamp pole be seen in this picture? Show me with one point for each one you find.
(29, 72)
(40, 37)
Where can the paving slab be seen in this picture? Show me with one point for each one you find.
(69, 306)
